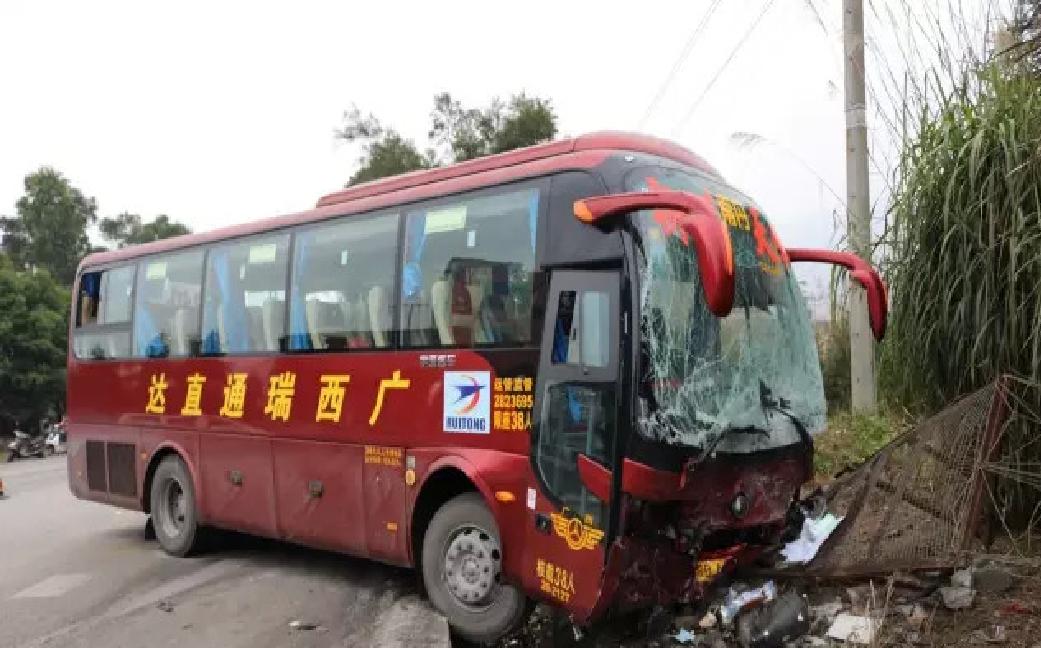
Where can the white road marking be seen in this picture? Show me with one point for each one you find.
(56, 585)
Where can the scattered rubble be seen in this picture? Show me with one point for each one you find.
(775, 623)
(709, 620)
(813, 534)
(826, 612)
(738, 598)
(302, 625)
(992, 579)
(905, 539)
(851, 628)
(962, 578)
(957, 598)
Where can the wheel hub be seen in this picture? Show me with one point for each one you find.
(472, 564)
(172, 515)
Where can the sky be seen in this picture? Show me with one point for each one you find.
(222, 112)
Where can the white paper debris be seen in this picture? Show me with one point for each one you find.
(855, 629)
(684, 636)
(814, 533)
(737, 601)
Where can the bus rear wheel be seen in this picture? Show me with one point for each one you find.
(174, 513)
(462, 561)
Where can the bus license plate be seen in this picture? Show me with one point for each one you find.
(707, 570)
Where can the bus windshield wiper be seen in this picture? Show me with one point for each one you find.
(727, 431)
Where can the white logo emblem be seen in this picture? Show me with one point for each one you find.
(467, 402)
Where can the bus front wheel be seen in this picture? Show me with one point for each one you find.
(462, 562)
(174, 513)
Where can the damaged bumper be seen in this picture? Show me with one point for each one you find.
(681, 532)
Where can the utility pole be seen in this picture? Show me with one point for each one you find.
(858, 206)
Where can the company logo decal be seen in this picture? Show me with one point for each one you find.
(467, 406)
(579, 534)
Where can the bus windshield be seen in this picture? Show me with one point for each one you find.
(739, 384)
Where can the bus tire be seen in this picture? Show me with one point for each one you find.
(461, 571)
(174, 513)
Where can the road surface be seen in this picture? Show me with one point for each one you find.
(75, 573)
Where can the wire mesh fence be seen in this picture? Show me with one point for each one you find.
(918, 503)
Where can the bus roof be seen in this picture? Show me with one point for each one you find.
(584, 151)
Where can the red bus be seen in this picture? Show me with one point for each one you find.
(581, 372)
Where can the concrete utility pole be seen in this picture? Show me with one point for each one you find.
(858, 206)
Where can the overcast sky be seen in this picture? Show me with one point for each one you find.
(221, 112)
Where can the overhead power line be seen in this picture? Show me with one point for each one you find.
(722, 68)
(680, 60)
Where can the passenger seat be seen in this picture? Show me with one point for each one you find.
(179, 337)
(273, 322)
(441, 304)
(379, 316)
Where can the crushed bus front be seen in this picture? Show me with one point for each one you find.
(727, 389)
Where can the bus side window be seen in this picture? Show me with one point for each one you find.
(578, 410)
(166, 314)
(246, 296)
(341, 295)
(103, 314)
(468, 271)
(581, 335)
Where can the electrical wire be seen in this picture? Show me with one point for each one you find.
(722, 68)
(680, 60)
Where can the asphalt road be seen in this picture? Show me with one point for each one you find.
(75, 573)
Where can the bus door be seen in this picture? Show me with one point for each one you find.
(576, 414)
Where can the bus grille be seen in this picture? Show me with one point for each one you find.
(121, 478)
(96, 466)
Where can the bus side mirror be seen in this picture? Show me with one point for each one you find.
(863, 273)
(691, 218)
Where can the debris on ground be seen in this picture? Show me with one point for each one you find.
(826, 611)
(962, 578)
(957, 598)
(852, 628)
(709, 620)
(898, 555)
(302, 625)
(991, 578)
(684, 636)
(738, 598)
(774, 623)
(813, 534)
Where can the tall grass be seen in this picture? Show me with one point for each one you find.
(964, 258)
(965, 242)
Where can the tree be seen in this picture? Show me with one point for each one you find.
(470, 133)
(50, 229)
(33, 333)
(128, 229)
(384, 151)
(461, 133)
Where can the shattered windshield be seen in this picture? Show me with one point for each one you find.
(739, 384)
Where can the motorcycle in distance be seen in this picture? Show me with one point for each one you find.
(25, 446)
(56, 441)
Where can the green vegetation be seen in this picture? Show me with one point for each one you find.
(833, 348)
(851, 439)
(128, 229)
(966, 244)
(457, 133)
(33, 341)
(42, 245)
(962, 246)
(50, 229)
(964, 263)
